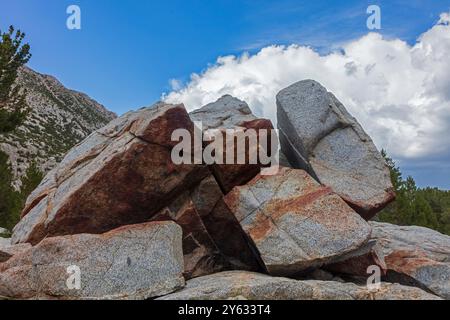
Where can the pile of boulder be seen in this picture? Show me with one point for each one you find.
(118, 219)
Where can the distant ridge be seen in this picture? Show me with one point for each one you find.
(59, 119)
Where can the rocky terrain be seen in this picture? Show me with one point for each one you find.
(138, 226)
(59, 119)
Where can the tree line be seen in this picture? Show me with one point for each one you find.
(425, 207)
(13, 111)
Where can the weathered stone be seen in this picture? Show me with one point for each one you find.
(7, 250)
(132, 262)
(412, 256)
(201, 256)
(240, 285)
(231, 113)
(3, 232)
(358, 262)
(206, 195)
(319, 135)
(121, 174)
(232, 242)
(284, 162)
(415, 256)
(5, 241)
(294, 222)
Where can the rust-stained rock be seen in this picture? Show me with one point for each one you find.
(201, 256)
(121, 174)
(232, 242)
(132, 262)
(294, 222)
(358, 262)
(319, 135)
(415, 256)
(231, 113)
(213, 239)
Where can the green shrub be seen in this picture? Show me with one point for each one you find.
(12, 201)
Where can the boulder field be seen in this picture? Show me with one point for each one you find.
(119, 219)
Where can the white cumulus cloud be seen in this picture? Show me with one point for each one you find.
(400, 93)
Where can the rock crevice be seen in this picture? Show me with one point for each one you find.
(138, 226)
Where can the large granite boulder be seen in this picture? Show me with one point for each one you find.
(412, 256)
(238, 285)
(319, 135)
(415, 255)
(294, 223)
(233, 244)
(132, 262)
(231, 113)
(121, 174)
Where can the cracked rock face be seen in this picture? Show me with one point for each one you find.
(213, 240)
(201, 255)
(238, 285)
(231, 113)
(133, 262)
(294, 222)
(319, 135)
(121, 174)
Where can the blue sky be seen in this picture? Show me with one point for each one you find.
(127, 51)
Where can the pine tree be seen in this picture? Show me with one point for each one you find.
(396, 175)
(13, 55)
(10, 200)
(30, 181)
(414, 206)
(13, 111)
(396, 211)
(423, 214)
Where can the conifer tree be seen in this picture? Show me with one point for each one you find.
(10, 200)
(429, 207)
(13, 55)
(30, 181)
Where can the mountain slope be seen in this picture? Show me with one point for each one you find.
(59, 119)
